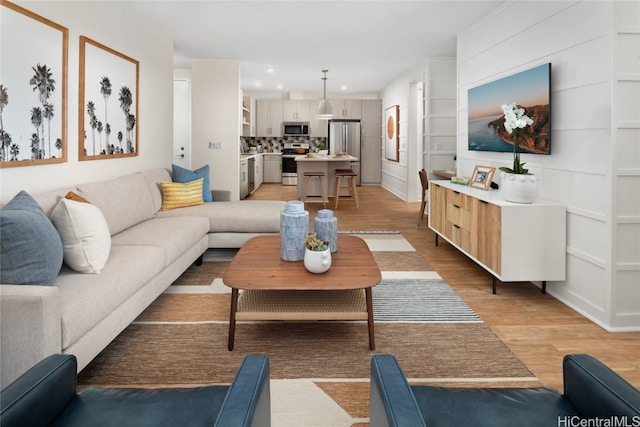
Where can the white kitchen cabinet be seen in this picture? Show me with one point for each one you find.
(244, 178)
(273, 168)
(346, 108)
(295, 111)
(258, 172)
(513, 242)
(269, 118)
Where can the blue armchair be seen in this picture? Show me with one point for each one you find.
(592, 391)
(46, 395)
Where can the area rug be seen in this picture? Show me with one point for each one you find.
(319, 370)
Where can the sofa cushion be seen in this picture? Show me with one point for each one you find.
(153, 178)
(31, 249)
(174, 235)
(185, 175)
(86, 299)
(245, 216)
(85, 235)
(123, 201)
(177, 195)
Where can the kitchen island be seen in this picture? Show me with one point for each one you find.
(321, 163)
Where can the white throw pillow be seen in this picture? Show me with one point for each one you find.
(86, 240)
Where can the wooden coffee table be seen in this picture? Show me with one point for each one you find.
(273, 289)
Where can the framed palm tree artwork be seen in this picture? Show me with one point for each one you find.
(108, 103)
(33, 88)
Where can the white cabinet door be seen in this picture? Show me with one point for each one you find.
(272, 168)
(295, 111)
(244, 178)
(269, 117)
(346, 108)
(259, 171)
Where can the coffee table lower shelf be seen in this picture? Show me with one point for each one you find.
(350, 304)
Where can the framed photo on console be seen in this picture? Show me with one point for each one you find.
(482, 176)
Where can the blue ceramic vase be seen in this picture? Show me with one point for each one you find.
(325, 226)
(294, 227)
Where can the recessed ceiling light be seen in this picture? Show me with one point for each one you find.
(343, 87)
(257, 83)
(270, 70)
(280, 87)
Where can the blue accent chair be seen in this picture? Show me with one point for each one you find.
(46, 395)
(592, 392)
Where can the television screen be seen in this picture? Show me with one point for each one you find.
(530, 90)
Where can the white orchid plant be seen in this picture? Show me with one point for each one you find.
(514, 119)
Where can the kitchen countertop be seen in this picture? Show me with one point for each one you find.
(330, 158)
(250, 155)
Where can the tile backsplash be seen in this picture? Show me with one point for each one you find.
(276, 144)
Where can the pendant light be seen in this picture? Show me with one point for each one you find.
(325, 110)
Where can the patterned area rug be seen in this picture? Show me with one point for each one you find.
(319, 370)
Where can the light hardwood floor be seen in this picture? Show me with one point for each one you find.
(539, 329)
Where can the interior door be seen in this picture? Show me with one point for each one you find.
(181, 124)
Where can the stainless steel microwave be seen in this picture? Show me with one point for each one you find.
(295, 129)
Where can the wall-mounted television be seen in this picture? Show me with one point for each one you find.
(530, 90)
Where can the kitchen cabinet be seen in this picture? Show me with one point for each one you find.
(244, 178)
(258, 173)
(295, 111)
(269, 118)
(273, 168)
(371, 142)
(513, 242)
(346, 108)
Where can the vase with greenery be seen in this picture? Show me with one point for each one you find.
(517, 184)
(317, 256)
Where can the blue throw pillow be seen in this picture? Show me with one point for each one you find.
(183, 176)
(30, 247)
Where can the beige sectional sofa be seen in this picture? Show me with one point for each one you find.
(81, 314)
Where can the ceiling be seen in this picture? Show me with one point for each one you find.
(283, 46)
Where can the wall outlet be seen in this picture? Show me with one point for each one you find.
(215, 145)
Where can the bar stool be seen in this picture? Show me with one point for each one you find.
(323, 192)
(351, 185)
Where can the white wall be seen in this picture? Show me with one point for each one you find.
(395, 175)
(215, 112)
(585, 172)
(116, 27)
(426, 95)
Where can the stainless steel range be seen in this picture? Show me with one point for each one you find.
(289, 165)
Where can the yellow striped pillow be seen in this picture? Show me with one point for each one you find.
(179, 195)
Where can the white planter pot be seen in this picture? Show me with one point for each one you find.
(317, 261)
(518, 188)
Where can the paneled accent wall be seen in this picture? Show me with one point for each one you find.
(625, 294)
(594, 164)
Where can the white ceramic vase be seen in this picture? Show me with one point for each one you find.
(317, 261)
(518, 188)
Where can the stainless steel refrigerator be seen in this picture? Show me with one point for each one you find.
(344, 136)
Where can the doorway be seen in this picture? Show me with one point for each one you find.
(181, 123)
